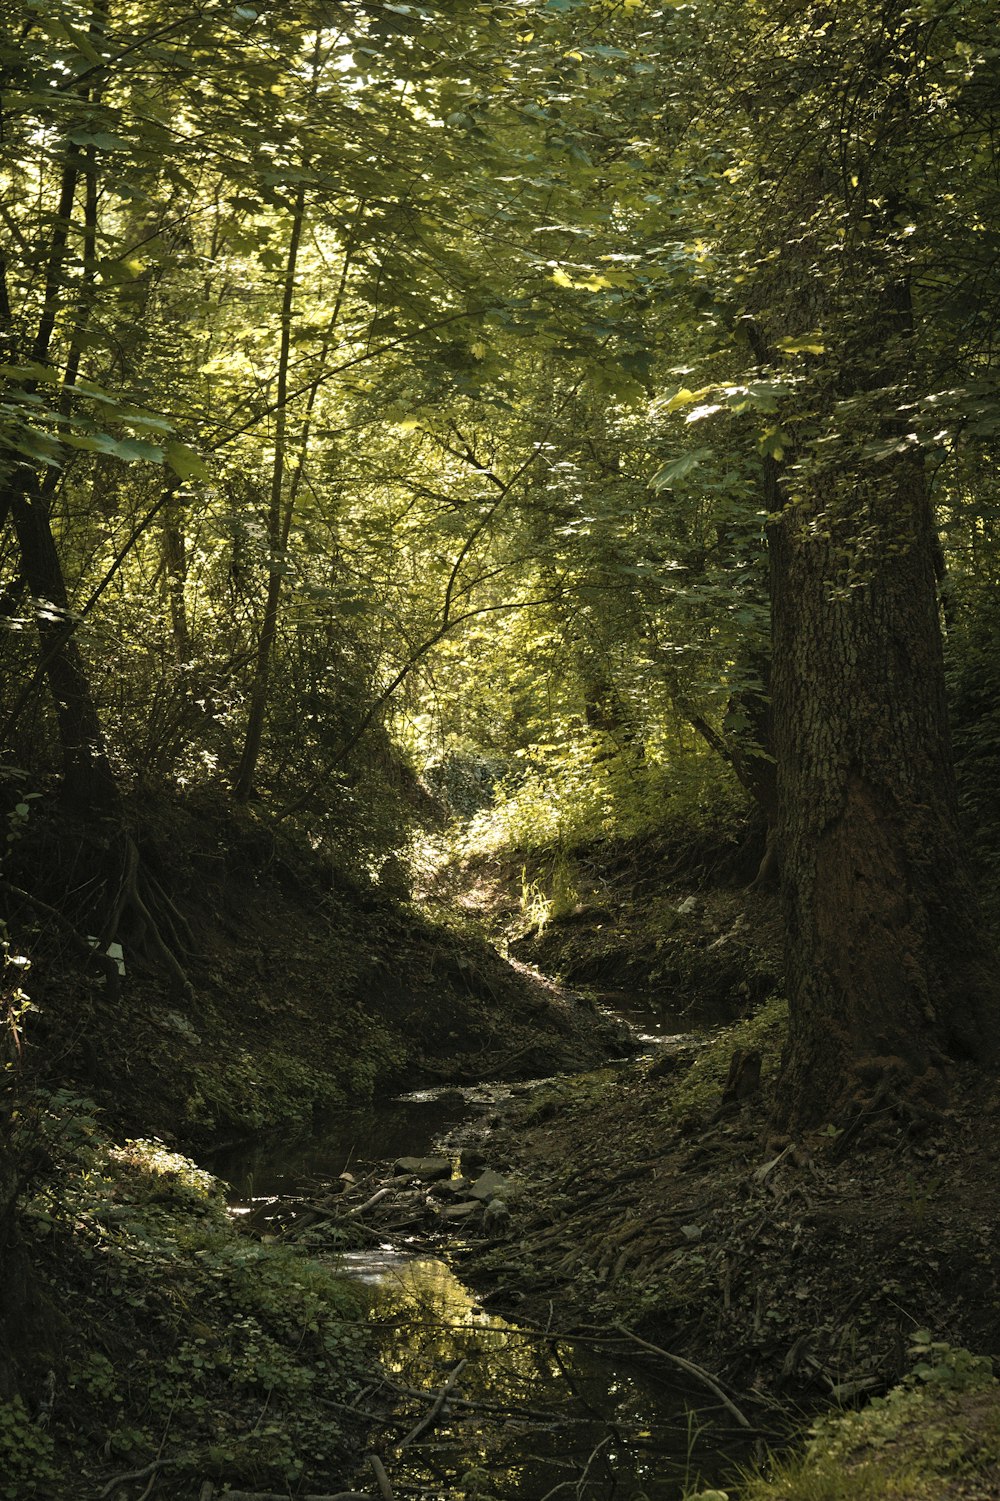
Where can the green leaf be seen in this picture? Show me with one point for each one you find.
(131, 450)
(686, 397)
(804, 344)
(772, 443)
(678, 469)
(185, 462)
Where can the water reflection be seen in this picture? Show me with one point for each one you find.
(530, 1417)
(339, 1141)
(660, 1021)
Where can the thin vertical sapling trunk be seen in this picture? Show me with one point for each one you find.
(277, 526)
(89, 788)
(87, 777)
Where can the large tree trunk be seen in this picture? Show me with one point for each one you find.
(887, 971)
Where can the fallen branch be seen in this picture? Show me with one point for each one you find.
(370, 1203)
(431, 1416)
(378, 1469)
(697, 1371)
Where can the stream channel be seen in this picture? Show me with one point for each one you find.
(533, 1417)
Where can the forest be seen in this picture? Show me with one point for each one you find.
(499, 537)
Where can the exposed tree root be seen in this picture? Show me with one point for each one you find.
(141, 896)
(140, 915)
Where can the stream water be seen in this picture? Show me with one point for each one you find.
(532, 1417)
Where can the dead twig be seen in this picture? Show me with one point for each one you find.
(123, 1479)
(602, 1444)
(431, 1416)
(697, 1371)
(370, 1203)
(494, 1409)
(378, 1468)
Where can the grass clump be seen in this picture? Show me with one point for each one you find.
(700, 1088)
(934, 1438)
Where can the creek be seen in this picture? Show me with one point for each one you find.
(532, 1415)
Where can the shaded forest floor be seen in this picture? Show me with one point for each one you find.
(654, 1202)
(138, 1332)
(792, 1268)
(648, 1203)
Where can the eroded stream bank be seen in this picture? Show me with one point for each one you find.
(531, 1412)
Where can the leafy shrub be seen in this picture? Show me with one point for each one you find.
(162, 1320)
(27, 1455)
(580, 791)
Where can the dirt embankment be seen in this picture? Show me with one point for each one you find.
(679, 925)
(305, 990)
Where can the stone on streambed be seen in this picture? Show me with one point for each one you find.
(427, 1169)
(496, 1217)
(453, 1188)
(487, 1186)
(459, 1211)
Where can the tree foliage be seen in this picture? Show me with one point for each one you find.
(388, 381)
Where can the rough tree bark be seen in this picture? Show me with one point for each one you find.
(888, 972)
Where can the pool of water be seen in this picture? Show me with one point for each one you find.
(348, 1140)
(659, 1021)
(535, 1416)
(532, 1414)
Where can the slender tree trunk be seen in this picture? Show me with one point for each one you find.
(277, 526)
(746, 743)
(88, 781)
(174, 553)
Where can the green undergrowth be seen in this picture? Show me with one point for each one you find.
(700, 1088)
(150, 1329)
(566, 796)
(243, 1089)
(935, 1437)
